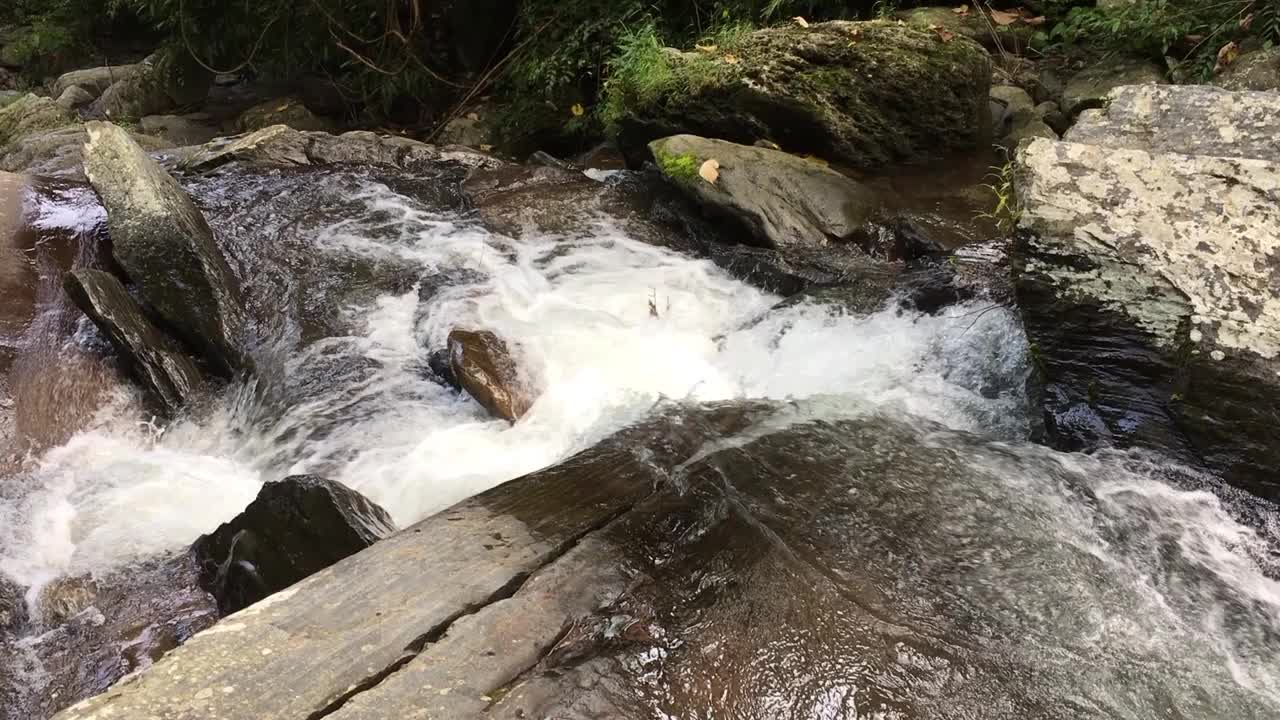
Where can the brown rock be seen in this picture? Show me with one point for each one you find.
(483, 365)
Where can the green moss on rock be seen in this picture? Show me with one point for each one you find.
(31, 114)
(679, 167)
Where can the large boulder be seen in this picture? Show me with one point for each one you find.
(165, 247)
(1147, 283)
(1257, 70)
(482, 364)
(288, 111)
(28, 115)
(1187, 119)
(1008, 32)
(152, 357)
(96, 80)
(782, 199)
(864, 93)
(1089, 88)
(293, 529)
(60, 152)
(157, 85)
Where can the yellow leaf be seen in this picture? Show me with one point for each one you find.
(1227, 54)
(1003, 18)
(473, 116)
(706, 48)
(962, 10)
(801, 21)
(710, 171)
(816, 160)
(730, 58)
(1036, 21)
(577, 110)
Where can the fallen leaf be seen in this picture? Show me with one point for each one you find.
(1034, 21)
(577, 110)
(486, 148)
(1003, 18)
(962, 10)
(944, 34)
(815, 160)
(710, 171)
(706, 48)
(1227, 54)
(1246, 21)
(1193, 39)
(801, 21)
(855, 35)
(730, 58)
(473, 116)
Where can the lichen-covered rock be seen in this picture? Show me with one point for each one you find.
(1020, 117)
(1257, 70)
(152, 357)
(1148, 285)
(782, 199)
(294, 528)
(865, 93)
(60, 152)
(165, 247)
(483, 366)
(94, 81)
(74, 97)
(27, 115)
(289, 111)
(1188, 119)
(975, 24)
(1089, 88)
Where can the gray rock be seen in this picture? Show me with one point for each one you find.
(1257, 70)
(27, 115)
(162, 242)
(471, 130)
(182, 130)
(288, 111)
(13, 606)
(60, 152)
(1190, 119)
(74, 97)
(783, 199)
(152, 357)
(1090, 87)
(94, 81)
(1147, 284)
(294, 528)
(810, 89)
(483, 365)
(159, 85)
(1017, 102)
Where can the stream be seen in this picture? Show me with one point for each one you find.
(1118, 585)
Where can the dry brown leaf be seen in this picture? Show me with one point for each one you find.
(962, 10)
(1227, 54)
(710, 171)
(1002, 18)
(1034, 21)
(1246, 21)
(855, 34)
(730, 58)
(473, 116)
(801, 21)
(943, 34)
(815, 160)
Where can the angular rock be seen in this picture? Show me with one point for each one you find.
(162, 242)
(782, 199)
(1257, 70)
(1187, 119)
(152, 357)
(1089, 88)
(74, 97)
(866, 94)
(295, 528)
(94, 81)
(283, 146)
(28, 115)
(288, 111)
(1147, 283)
(483, 366)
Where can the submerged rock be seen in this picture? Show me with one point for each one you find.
(482, 364)
(784, 200)
(1187, 119)
(1147, 283)
(165, 247)
(293, 529)
(152, 357)
(864, 93)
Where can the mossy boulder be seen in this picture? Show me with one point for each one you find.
(159, 84)
(30, 114)
(288, 111)
(867, 94)
(975, 24)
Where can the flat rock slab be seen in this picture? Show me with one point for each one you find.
(1185, 119)
(303, 652)
(1148, 283)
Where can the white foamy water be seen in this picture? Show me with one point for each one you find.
(603, 328)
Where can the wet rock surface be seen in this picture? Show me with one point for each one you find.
(165, 247)
(60, 152)
(1191, 120)
(483, 365)
(808, 90)
(1147, 285)
(782, 199)
(294, 528)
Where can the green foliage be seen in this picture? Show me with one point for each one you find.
(1190, 30)
(1004, 212)
(54, 31)
(678, 167)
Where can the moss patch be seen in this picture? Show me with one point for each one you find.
(682, 168)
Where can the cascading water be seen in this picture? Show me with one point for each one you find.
(354, 286)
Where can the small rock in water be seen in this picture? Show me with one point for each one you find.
(294, 528)
(483, 366)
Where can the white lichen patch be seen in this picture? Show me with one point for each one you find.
(1178, 238)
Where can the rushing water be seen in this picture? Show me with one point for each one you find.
(355, 279)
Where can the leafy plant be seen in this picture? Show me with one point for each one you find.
(1005, 212)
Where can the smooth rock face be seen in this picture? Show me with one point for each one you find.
(1089, 88)
(74, 97)
(866, 94)
(1187, 119)
(1256, 70)
(294, 528)
(483, 366)
(60, 152)
(162, 242)
(783, 199)
(94, 81)
(153, 358)
(1147, 283)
